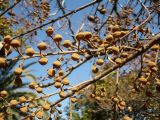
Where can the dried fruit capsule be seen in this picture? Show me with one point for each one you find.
(109, 38)
(118, 60)
(3, 94)
(155, 47)
(39, 114)
(57, 64)
(18, 71)
(87, 35)
(42, 46)
(15, 43)
(2, 62)
(91, 18)
(46, 107)
(7, 39)
(103, 11)
(143, 79)
(22, 99)
(49, 31)
(62, 94)
(39, 89)
(43, 61)
(94, 69)
(67, 43)
(100, 61)
(73, 99)
(65, 81)
(32, 85)
(24, 109)
(57, 38)
(51, 72)
(80, 36)
(117, 34)
(57, 84)
(75, 56)
(13, 102)
(30, 52)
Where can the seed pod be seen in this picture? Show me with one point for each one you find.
(59, 105)
(49, 31)
(32, 85)
(18, 71)
(115, 50)
(57, 84)
(143, 79)
(39, 89)
(15, 43)
(73, 99)
(62, 94)
(43, 61)
(127, 118)
(117, 34)
(65, 81)
(61, 73)
(3, 94)
(39, 114)
(30, 52)
(57, 38)
(122, 103)
(75, 56)
(13, 102)
(97, 98)
(51, 72)
(7, 39)
(67, 43)
(124, 55)
(91, 18)
(57, 64)
(24, 109)
(115, 28)
(103, 11)
(2, 62)
(109, 38)
(118, 60)
(87, 35)
(42, 46)
(46, 107)
(22, 99)
(151, 64)
(94, 69)
(74, 89)
(80, 36)
(100, 61)
(154, 47)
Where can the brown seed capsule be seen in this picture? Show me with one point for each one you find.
(15, 43)
(3, 94)
(100, 61)
(57, 38)
(87, 35)
(24, 109)
(51, 72)
(13, 102)
(117, 34)
(61, 73)
(103, 11)
(73, 99)
(74, 89)
(155, 47)
(94, 69)
(80, 36)
(151, 63)
(126, 118)
(124, 54)
(30, 52)
(67, 43)
(59, 105)
(39, 89)
(43, 61)
(97, 98)
(2, 62)
(62, 94)
(7, 39)
(39, 114)
(115, 49)
(122, 103)
(118, 60)
(115, 28)
(49, 31)
(57, 84)
(75, 56)
(109, 38)
(143, 79)
(42, 46)
(46, 107)
(18, 71)
(32, 85)
(91, 18)
(57, 64)
(65, 81)
(22, 99)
